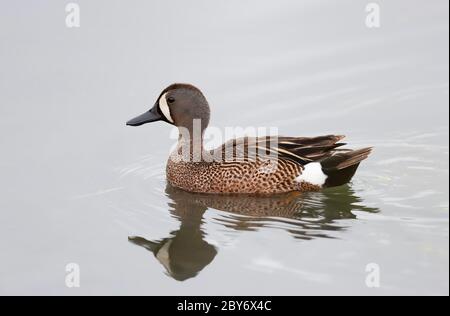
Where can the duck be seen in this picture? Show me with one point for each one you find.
(248, 165)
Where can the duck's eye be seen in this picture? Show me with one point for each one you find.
(170, 99)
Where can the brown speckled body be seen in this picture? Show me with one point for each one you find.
(248, 177)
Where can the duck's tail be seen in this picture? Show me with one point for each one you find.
(341, 166)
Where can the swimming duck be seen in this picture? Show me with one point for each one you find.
(249, 165)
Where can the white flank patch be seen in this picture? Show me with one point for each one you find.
(164, 107)
(313, 174)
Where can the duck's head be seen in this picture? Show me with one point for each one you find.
(179, 104)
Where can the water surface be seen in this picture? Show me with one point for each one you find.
(78, 186)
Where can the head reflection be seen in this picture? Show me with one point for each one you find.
(305, 216)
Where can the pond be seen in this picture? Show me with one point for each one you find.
(79, 187)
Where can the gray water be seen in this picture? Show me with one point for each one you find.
(78, 186)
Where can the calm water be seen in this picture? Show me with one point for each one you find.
(78, 186)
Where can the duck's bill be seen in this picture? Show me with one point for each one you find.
(148, 117)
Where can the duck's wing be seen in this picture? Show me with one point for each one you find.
(301, 150)
(309, 149)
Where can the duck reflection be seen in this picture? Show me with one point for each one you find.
(185, 252)
(306, 216)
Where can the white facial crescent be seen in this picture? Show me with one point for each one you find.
(164, 107)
